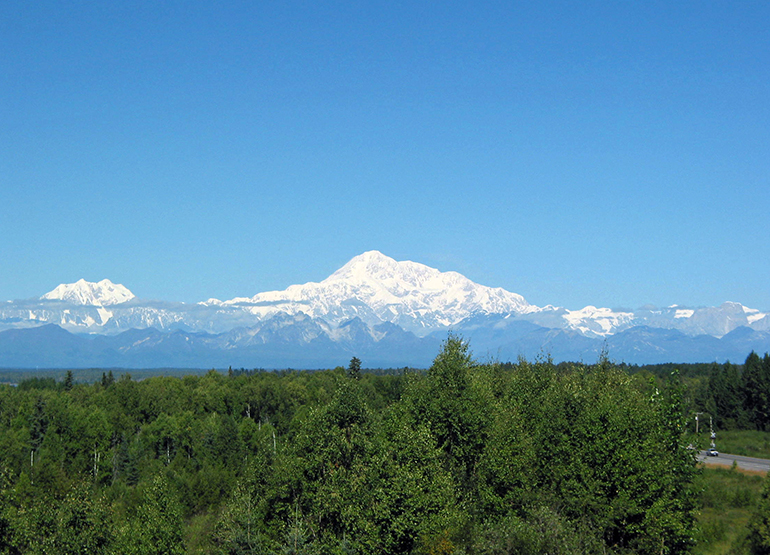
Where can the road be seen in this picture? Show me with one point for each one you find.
(744, 463)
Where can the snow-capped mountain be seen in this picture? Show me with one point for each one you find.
(375, 306)
(372, 287)
(82, 292)
(376, 288)
(597, 322)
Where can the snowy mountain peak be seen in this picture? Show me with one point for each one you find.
(373, 266)
(84, 292)
(377, 288)
(368, 263)
(399, 279)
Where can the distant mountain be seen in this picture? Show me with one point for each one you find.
(394, 313)
(282, 341)
(82, 292)
(376, 288)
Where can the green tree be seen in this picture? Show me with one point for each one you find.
(69, 381)
(455, 409)
(759, 525)
(726, 388)
(6, 513)
(414, 499)
(84, 523)
(107, 379)
(38, 424)
(298, 539)
(240, 528)
(156, 528)
(756, 387)
(354, 369)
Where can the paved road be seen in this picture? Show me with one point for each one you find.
(746, 463)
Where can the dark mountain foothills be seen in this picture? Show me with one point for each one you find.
(299, 341)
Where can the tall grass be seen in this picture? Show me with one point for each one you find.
(728, 498)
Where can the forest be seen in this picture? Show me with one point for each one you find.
(466, 457)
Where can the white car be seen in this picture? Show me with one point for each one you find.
(712, 452)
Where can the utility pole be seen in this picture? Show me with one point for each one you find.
(697, 429)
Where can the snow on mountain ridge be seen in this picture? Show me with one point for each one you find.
(82, 292)
(371, 287)
(592, 321)
(376, 288)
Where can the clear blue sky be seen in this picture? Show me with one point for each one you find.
(606, 153)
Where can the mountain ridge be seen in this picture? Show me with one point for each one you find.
(373, 302)
(372, 287)
(304, 343)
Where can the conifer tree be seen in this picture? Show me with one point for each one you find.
(354, 369)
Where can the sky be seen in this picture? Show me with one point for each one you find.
(614, 154)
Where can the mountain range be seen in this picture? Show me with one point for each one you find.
(385, 312)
